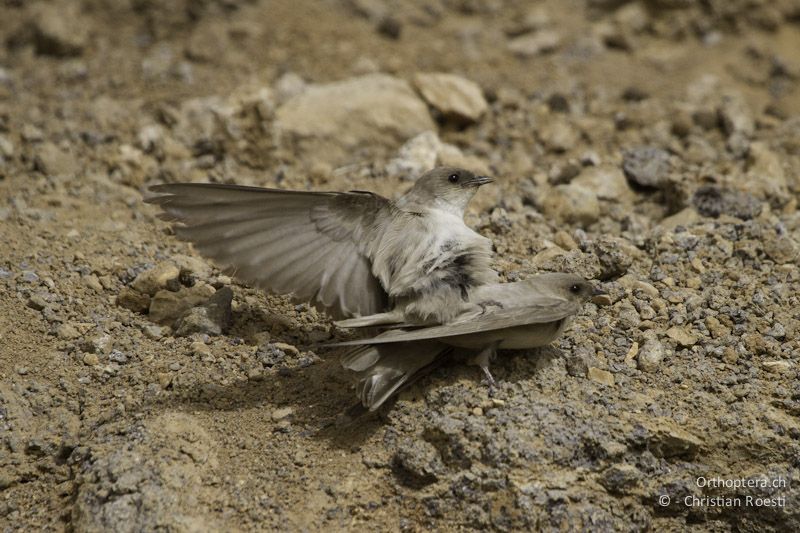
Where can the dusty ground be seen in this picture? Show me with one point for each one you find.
(652, 145)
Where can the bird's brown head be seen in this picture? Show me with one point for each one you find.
(446, 187)
(568, 286)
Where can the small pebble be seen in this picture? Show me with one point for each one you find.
(281, 413)
(604, 377)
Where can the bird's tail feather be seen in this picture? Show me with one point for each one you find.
(383, 370)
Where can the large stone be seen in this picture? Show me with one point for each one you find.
(650, 355)
(157, 278)
(571, 203)
(454, 97)
(211, 318)
(133, 300)
(765, 175)
(58, 28)
(646, 166)
(558, 135)
(426, 151)
(416, 156)
(666, 439)
(713, 201)
(607, 181)
(53, 161)
(372, 108)
(168, 306)
(682, 335)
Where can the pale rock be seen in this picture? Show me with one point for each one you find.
(607, 181)
(153, 332)
(571, 203)
(281, 413)
(604, 377)
(100, 344)
(736, 116)
(682, 336)
(200, 348)
(452, 156)
(777, 367)
(153, 280)
(374, 108)
(67, 332)
(666, 439)
(417, 155)
(167, 306)
(288, 86)
(782, 248)
(532, 44)
(151, 137)
(192, 265)
(454, 97)
(201, 119)
(285, 347)
(93, 282)
(685, 217)
(6, 147)
(546, 255)
(558, 135)
(59, 28)
(53, 161)
(650, 355)
(765, 175)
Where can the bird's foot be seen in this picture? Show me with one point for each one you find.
(490, 382)
(482, 359)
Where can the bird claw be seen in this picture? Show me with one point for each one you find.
(490, 382)
(482, 359)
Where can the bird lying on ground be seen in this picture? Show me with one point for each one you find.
(519, 315)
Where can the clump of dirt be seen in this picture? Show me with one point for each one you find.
(651, 145)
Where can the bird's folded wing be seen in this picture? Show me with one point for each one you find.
(542, 311)
(309, 244)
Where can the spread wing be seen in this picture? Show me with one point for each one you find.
(308, 244)
(543, 310)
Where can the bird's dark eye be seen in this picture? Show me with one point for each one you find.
(575, 289)
(452, 178)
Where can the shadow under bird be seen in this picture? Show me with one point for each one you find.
(519, 315)
(349, 253)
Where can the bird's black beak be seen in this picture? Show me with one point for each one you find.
(598, 291)
(477, 181)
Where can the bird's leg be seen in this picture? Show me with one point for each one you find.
(482, 359)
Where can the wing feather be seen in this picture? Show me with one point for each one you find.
(542, 311)
(312, 245)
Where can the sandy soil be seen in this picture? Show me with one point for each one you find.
(653, 146)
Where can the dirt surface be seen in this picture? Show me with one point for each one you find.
(653, 146)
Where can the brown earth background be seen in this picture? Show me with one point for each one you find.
(650, 145)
